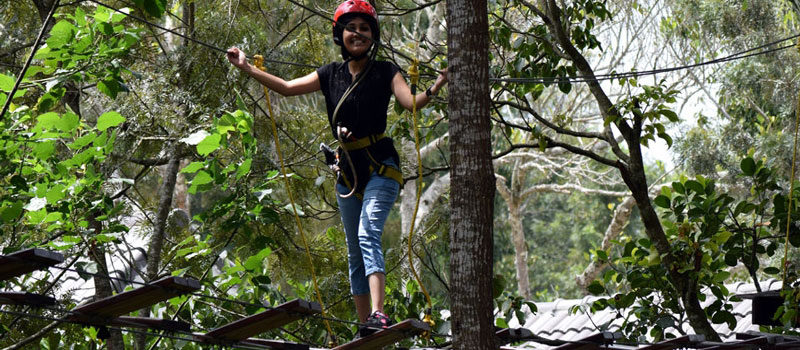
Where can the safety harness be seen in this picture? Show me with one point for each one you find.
(366, 152)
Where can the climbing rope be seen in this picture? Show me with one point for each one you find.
(413, 74)
(259, 63)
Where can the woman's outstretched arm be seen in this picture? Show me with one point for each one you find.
(299, 86)
(403, 93)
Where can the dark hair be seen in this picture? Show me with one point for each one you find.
(373, 26)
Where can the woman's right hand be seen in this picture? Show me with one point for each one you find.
(237, 58)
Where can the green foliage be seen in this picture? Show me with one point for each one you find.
(650, 108)
(708, 233)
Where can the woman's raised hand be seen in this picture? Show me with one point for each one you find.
(237, 57)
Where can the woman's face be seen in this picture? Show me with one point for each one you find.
(354, 43)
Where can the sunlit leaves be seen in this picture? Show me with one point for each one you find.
(209, 144)
(108, 120)
(62, 33)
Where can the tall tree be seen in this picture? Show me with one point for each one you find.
(472, 175)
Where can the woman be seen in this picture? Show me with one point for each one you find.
(359, 121)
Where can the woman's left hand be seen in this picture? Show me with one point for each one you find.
(441, 80)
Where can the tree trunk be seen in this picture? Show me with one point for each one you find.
(472, 177)
(634, 177)
(514, 202)
(622, 215)
(157, 239)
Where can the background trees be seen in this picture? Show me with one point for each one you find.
(126, 138)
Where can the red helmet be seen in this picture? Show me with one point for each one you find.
(354, 7)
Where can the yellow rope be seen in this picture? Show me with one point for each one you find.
(259, 63)
(413, 74)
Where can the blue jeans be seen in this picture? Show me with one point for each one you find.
(363, 226)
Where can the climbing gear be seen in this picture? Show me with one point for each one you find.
(335, 115)
(354, 7)
(413, 74)
(366, 154)
(259, 63)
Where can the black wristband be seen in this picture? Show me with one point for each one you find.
(428, 92)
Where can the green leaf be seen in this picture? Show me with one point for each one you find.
(6, 83)
(68, 122)
(772, 270)
(721, 276)
(244, 169)
(55, 194)
(500, 322)
(10, 212)
(47, 121)
(193, 167)
(155, 8)
(209, 144)
(748, 166)
(201, 178)
(109, 87)
(672, 116)
(596, 288)
(695, 186)
(61, 34)
(109, 119)
(43, 150)
(662, 201)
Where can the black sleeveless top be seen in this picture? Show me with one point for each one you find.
(363, 113)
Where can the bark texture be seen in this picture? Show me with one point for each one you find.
(471, 175)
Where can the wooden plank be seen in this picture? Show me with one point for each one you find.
(747, 344)
(678, 343)
(20, 298)
(509, 335)
(265, 321)
(275, 344)
(132, 300)
(385, 337)
(591, 342)
(151, 323)
(26, 261)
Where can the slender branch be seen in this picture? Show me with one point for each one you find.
(30, 59)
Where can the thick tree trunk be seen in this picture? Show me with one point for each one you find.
(472, 176)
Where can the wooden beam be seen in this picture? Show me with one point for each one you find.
(264, 321)
(20, 298)
(25, 261)
(591, 342)
(132, 300)
(683, 342)
(509, 335)
(275, 344)
(385, 337)
(151, 323)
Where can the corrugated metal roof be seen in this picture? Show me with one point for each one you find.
(554, 320)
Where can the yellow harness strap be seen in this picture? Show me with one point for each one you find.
(363, 142)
